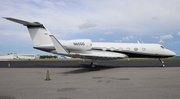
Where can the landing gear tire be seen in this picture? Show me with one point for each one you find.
(163, 65)
(93, 65)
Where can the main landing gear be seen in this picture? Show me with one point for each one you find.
(162, 63)
(94, 63)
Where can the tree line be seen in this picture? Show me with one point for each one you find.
(47, 56)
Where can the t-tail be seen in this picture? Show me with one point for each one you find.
(39, 34)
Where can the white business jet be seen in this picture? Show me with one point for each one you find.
(86, 49)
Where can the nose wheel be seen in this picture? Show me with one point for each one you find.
(162, 63)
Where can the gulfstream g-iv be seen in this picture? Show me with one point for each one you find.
(86, 49)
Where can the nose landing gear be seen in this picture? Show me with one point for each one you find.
(162, 63)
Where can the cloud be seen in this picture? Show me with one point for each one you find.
(178, 33)
(155, 37)
(24, 45)
(5, 34)
(101, 39)
(125, 38)
(154, 18)
(108, 33)
(1, 28)
(161, 41)
(118, 41)
(136, 17)
(88, 24)
(164, 37)
(131, 37)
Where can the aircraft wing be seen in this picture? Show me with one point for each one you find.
(92, 54)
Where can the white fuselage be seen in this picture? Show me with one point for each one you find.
(113, 49)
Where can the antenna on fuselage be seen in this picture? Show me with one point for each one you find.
(138, 42)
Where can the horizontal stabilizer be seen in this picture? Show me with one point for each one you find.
(25, 23)
(59, 48)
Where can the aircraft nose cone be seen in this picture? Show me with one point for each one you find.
(173, 53)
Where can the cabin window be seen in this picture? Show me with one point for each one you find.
(143, 49)
(135, 49)
(120, 49)
(104, 48)
(128, 48)
(112, 48)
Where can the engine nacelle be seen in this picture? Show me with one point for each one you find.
(78, 44)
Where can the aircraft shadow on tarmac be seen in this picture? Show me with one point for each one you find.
(123, 64)
(85, 68)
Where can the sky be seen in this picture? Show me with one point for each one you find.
(123, 21)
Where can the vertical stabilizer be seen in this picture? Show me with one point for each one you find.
(39, 34)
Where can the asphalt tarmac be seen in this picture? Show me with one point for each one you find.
(71, 80)
(77, 64)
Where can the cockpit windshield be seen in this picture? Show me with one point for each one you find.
(162, 47)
